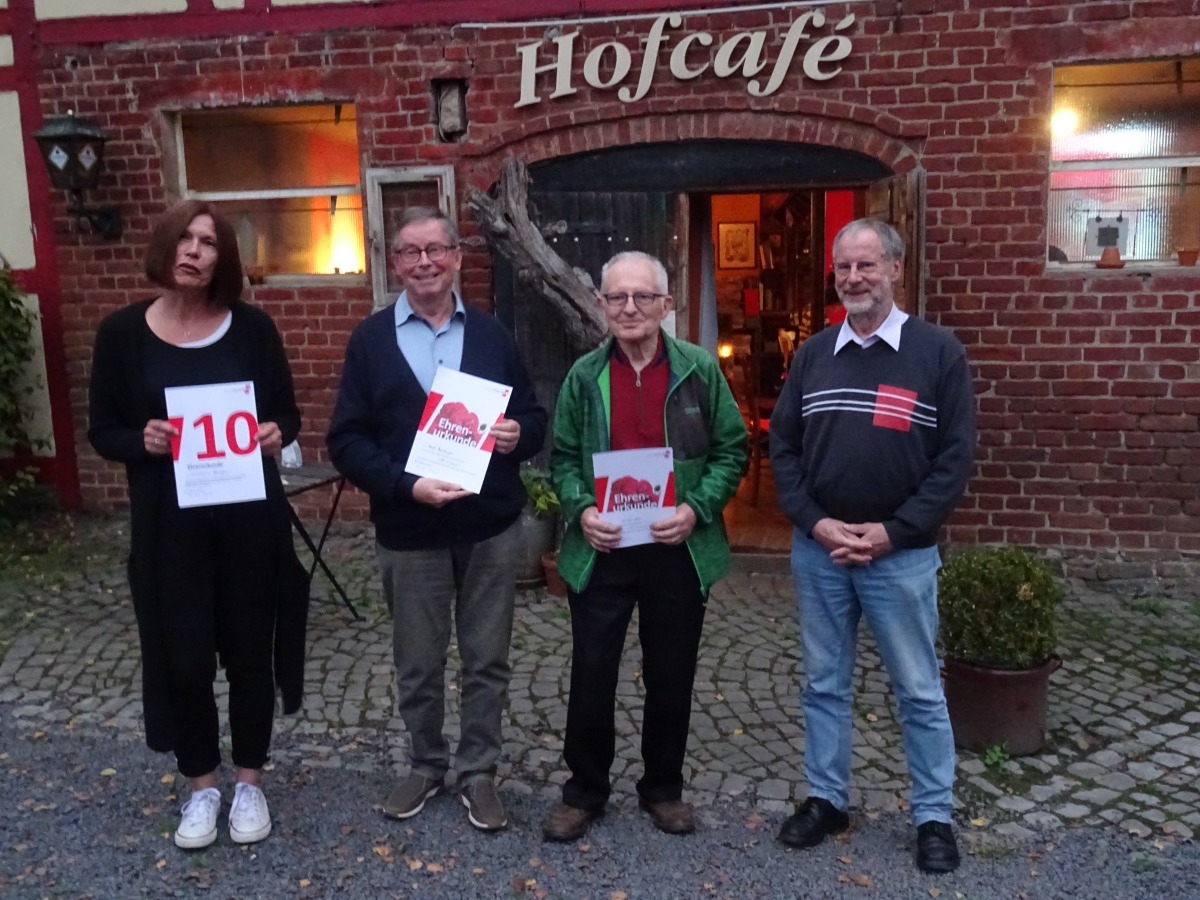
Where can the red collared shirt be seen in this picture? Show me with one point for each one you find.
(638, 400)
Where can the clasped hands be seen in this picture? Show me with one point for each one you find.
(852, 544)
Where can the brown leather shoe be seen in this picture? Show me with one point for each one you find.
(568, 823)
(671, 816)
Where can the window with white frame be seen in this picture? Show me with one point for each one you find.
(1125, 166)
(287, 177)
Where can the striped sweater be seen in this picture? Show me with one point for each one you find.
(876, 435)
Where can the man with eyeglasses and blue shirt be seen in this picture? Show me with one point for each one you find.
(639, 389)
(443, 552)
(872, 443)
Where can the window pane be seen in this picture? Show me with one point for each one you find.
(1127, 111)
(307, 235)
(1157, 211)
(269, 148)
(397, 198)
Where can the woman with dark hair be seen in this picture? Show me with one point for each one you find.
(207, 581)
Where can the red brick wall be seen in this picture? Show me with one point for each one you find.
(1087, 382)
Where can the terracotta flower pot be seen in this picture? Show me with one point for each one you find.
(554, 583)
(990, 707)
(1188, 257)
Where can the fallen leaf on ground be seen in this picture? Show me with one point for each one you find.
(161, 864)
(434, 868)
(413, 864)
(304, 882)
(844, 859)
(383, 851)
(979, 822)
(167, 779)
(860, 880)
(107, 772)
(618, 895)
(935, 892)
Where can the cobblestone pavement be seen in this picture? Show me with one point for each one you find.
(1124, 746)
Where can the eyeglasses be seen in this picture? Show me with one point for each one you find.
(642, 299)
(865, 269)
(436, 253)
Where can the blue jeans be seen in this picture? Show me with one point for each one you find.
(898, 594)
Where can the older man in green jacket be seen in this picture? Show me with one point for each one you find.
(640, 389)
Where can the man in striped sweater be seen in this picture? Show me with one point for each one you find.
(871, 448)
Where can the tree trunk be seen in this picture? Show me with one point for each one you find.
(503, 215)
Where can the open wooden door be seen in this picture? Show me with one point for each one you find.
(900, 201)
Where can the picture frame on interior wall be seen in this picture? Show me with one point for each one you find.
(736, 245)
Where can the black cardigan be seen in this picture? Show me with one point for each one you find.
(377, 415)
(118, 413)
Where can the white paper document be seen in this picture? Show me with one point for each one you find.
(635, 489)
(454, 442)
(216, 454)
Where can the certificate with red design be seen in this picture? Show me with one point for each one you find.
(216, 454)
(454, 442)
(635, 489)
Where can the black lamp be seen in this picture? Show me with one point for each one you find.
(73, 151)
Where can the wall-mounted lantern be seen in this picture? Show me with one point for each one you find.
(73, 151)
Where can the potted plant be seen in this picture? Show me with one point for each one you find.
(999, 633)
(539, 525)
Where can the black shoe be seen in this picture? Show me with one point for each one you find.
(813, 820)
(936, 849)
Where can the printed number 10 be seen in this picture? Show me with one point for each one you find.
(232, 440)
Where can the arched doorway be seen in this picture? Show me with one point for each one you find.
(743, 228)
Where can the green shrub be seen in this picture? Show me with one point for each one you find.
(16, 351)
(997, 608)
(540, 491)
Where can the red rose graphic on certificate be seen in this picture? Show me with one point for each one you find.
(632, 493)
(454, 440)
(454, 422)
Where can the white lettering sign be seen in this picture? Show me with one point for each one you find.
(745, 54)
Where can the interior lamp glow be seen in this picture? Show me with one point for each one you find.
(1064, 122)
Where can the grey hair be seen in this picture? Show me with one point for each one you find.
(660, 271)
(415, 214)
(889, 238)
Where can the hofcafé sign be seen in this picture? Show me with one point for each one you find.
(687, 56)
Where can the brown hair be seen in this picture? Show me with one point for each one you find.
(226, 285)
(414, 214)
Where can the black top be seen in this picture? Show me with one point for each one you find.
(377, 416)
(876, 435)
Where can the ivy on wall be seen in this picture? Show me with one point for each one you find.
(16, 352)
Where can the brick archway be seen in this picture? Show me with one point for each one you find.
(863, 130)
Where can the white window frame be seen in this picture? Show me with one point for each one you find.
(442, 177)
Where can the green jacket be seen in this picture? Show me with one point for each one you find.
(703, 427)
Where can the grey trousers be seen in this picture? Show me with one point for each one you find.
(474, 583)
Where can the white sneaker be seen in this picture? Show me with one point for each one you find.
(249, 820)
(198, 822)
